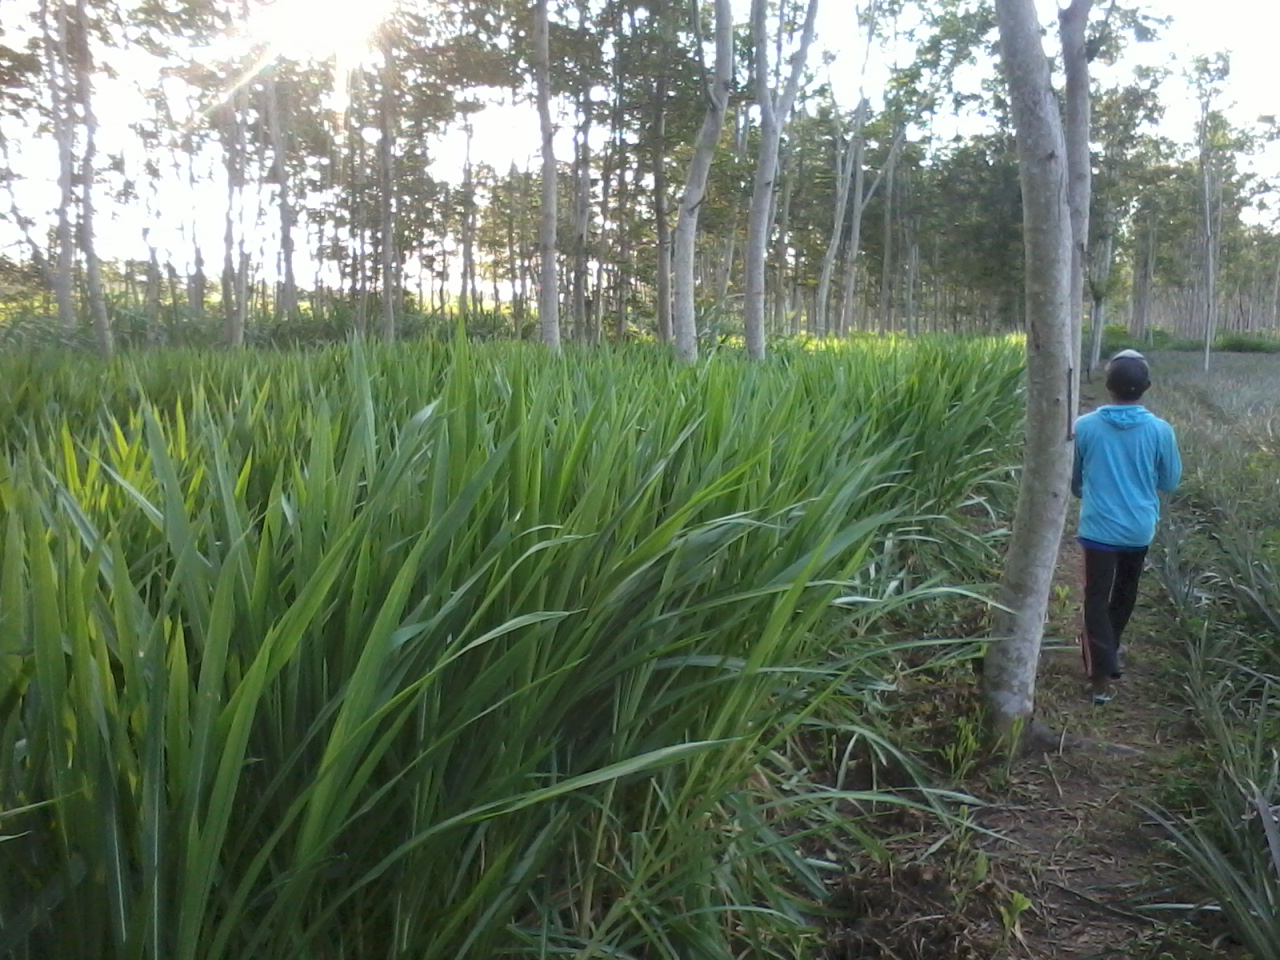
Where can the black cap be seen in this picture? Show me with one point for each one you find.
(1128, 375)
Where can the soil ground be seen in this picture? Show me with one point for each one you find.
(1071, 866)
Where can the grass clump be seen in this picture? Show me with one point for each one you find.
(453, 651)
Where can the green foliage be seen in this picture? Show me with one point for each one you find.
(1247, 343)
(450, 651)
(1117, 338)
(1221, 567)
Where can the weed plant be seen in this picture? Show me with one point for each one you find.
(440, 650)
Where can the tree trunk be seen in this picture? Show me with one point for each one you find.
(622, 299)
(684, 321)
(1100, 255)
(783, 219)
(581, 222)
(386, 197)
(234, 166)
(93, 269)
(772, 117)
(1211, 185)
(846, 154)
(886, 248)
(549, 294)
(1275, 298)
(288, 305)
(1143, 281)
(913, 273)
(57, 60)
(198, 286)
(1076, 109)
(663, 224)
(860, 203)
(1013, 655)
(198, 283)
(153, 284)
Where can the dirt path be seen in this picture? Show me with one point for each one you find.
(1076, 836)
(1062, 859)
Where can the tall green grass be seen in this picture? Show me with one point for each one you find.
(1221, 566)
(445, 651)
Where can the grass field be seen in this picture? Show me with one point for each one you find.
(1221, 568)
(458, 651)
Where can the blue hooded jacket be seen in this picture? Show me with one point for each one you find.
(1125, 457)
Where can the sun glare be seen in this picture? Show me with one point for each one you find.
(320, 29)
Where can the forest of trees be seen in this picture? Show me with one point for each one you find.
(818, 217)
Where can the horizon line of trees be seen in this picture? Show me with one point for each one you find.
(811, 217)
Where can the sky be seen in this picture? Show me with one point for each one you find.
(506, 135)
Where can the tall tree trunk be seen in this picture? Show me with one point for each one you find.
(1144, 270)
(513, 251)
(783, 219)
(684, 318)
(860, 201)
(1275, 298)
(198, 285)
(288, 305)
(549, 293)
(913, 272)
(886, 249)
(858, 204)
(57, 59)
(198, 282)
(581, 221)
(153, 284)
(386, 186)
(171, 274)
(1100, 255)
(772, 116)
(1211, 197)
(1014, 654)
(233, 148)
(93, 269)
(1076, 109)
(846, 154)
(660, 215)
(622, 298)
(526, 248)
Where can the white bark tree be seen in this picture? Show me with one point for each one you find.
(847, 154)
(386, 191)
(1208, 75)
(549, 292)
(288, 304)
(683, 318)
(773, 114)
(1077, 110)
(92, 266)
(859, 200)
(234, 308)
(57, 65)
(1013, 656)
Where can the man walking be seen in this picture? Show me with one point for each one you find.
(1125, 457)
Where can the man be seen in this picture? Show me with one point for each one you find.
(1125, 457)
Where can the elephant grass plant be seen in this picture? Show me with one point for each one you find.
(446, 651)
(1221, 566)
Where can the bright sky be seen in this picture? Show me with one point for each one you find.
(1247, 28)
